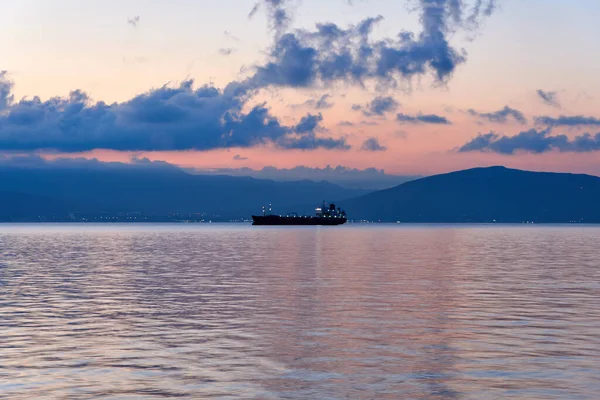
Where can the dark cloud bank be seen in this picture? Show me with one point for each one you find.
(167, 118)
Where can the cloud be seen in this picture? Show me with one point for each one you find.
(134, 21)
(501, 116)
(369, 178)
(6, 98)
(226, 51)
(163, 119)
(304, 136)
(330, 53)
(368, 123)
(372, 144)
(480, 9)
(237, 157)
(378, 106)
(549, 98)
(532, 141)
(279, 17)
(575, 120)
(322, 103)
(231, 36)
(422, 119)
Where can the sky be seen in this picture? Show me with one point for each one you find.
(412, 87)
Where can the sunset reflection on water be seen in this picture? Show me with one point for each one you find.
(233, 311)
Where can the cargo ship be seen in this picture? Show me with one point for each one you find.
(328, 214)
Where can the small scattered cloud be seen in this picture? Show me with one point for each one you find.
(134, 21)
(532, 141)
(548, 98)
(226, 51)
(501, 116)
(401, 134)
(422, 119)
(238, 157)
(231, 36)
(372, 144)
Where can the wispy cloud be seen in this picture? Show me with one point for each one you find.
(321, 103)
(226, 51)
(549, 98)
(422, 119)
(134, 21)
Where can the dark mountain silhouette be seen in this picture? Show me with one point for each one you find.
(485, 195)
(149, 190)
(477, 195)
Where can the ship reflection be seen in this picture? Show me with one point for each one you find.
(352, 314)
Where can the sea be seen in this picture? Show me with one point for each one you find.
(232, 311)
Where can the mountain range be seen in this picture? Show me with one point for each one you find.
(494, 194)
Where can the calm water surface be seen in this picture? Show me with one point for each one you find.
(232, 311)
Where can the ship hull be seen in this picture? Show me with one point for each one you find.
(278, 220)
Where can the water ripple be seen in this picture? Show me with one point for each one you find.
(228, 311)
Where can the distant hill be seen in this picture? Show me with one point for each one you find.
(485, 195)
(21, 206)
(149, 190)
